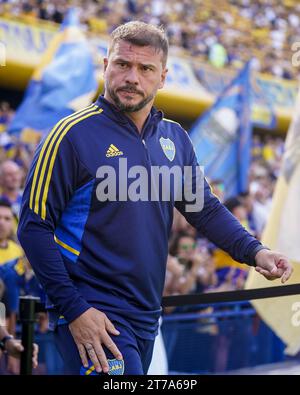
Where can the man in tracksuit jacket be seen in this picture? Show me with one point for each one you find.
(102, 262)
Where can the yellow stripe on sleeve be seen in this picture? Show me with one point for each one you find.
(66, 246)
(57, 129)
(49, 174)
(91, 369)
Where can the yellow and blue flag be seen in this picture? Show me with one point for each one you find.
(222, 136)
(64, 81)
(282, 231)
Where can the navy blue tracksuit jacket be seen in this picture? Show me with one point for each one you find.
(111, 255)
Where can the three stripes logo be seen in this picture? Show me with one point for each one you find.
(113, 151)
(46, 159)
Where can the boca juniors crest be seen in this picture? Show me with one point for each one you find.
(168, 147)
(116, 367)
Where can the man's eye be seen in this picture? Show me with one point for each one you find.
(146, 68)
(122, 65)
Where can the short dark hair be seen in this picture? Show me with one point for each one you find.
(174, 243)
(5, 203)
(233, 203)
(141, 34)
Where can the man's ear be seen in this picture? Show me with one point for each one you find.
(163, 78)
(105, 63)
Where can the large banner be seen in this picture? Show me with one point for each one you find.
(191, 86)
(222, 136)
(64, 82)
(24, 46)
(272, 98)
(282, 234)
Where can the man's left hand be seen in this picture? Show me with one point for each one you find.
(273, 265)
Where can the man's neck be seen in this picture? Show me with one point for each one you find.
(12, 194)
(139, 118)
(3, 243)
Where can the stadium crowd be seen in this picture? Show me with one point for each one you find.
(222, 32)
(194, 264)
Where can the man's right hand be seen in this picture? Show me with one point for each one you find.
(90, 330)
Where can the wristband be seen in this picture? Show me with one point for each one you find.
(4, 340)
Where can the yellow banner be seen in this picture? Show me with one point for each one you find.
(282, 234)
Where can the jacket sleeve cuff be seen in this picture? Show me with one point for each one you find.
(251, 260)
(76, 310)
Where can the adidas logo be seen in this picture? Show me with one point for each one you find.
(113, 151)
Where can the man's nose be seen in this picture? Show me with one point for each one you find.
(132, 76)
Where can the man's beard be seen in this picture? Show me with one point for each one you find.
(129, 107)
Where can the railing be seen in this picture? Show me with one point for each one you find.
(29, 306)
(230, 336)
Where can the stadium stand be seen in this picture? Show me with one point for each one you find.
(224, 33)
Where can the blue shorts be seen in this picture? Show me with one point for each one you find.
(137, 353)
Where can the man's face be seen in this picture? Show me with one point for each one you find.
(11, 176)
(186, 247)
(133, 75)
(240, 213)
(6, 222)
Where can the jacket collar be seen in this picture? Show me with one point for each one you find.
(118, 116)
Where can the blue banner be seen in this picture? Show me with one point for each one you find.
(222, 136)
(63, 82)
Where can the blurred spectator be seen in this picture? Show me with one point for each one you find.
(14, 348)
(174, 273)
(261, 189)
(9, 250)
(231, 274)
(236, 207)
(257, 147)
(255, 217)
(217, 55)
(11, 264)
(217, 187)
(10, 184)
(5, 115)
(184, 249)
(15, 276)
(192, 270)
(180, 224)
